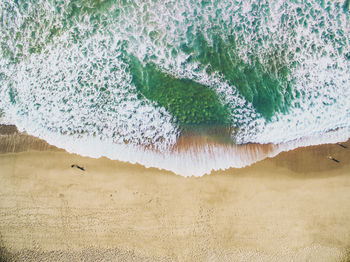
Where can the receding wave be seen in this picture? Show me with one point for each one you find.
(188, 86)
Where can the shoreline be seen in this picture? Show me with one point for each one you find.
(201, 152)
(293, 207)
(13, 141)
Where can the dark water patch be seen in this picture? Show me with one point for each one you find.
(213, 133)
(347, 56)
(269, 92)
(12, 94)
(346, 6)
(192, 104)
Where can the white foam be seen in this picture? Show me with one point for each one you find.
(59, 94)
(196, 161)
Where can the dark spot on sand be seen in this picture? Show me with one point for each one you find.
(335, 160)
(342, 145)
(79, 167)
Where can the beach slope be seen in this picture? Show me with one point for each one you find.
(294, 207)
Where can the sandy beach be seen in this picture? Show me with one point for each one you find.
(294, 207)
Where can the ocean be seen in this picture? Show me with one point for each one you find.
(187, 86)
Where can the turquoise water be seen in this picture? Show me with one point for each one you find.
(142, 73)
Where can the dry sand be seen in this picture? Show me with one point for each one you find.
(294, 207)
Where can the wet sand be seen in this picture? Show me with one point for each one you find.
(294, 207)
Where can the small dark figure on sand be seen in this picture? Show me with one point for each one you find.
(332, 158)
(81, 168)
(342, 145)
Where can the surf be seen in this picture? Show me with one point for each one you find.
(238, 81)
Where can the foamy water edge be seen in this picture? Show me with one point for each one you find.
(193, 161)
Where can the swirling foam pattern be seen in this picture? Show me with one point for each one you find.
(135, 75)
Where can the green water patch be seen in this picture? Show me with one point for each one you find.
(194, 106)
(269, 92)
(12, 94)
(346, 6)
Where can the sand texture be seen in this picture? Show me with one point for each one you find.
(294, 207)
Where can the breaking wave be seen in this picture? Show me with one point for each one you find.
(131, 80)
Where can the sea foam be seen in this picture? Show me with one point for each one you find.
(196, 158)
(64, 75)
